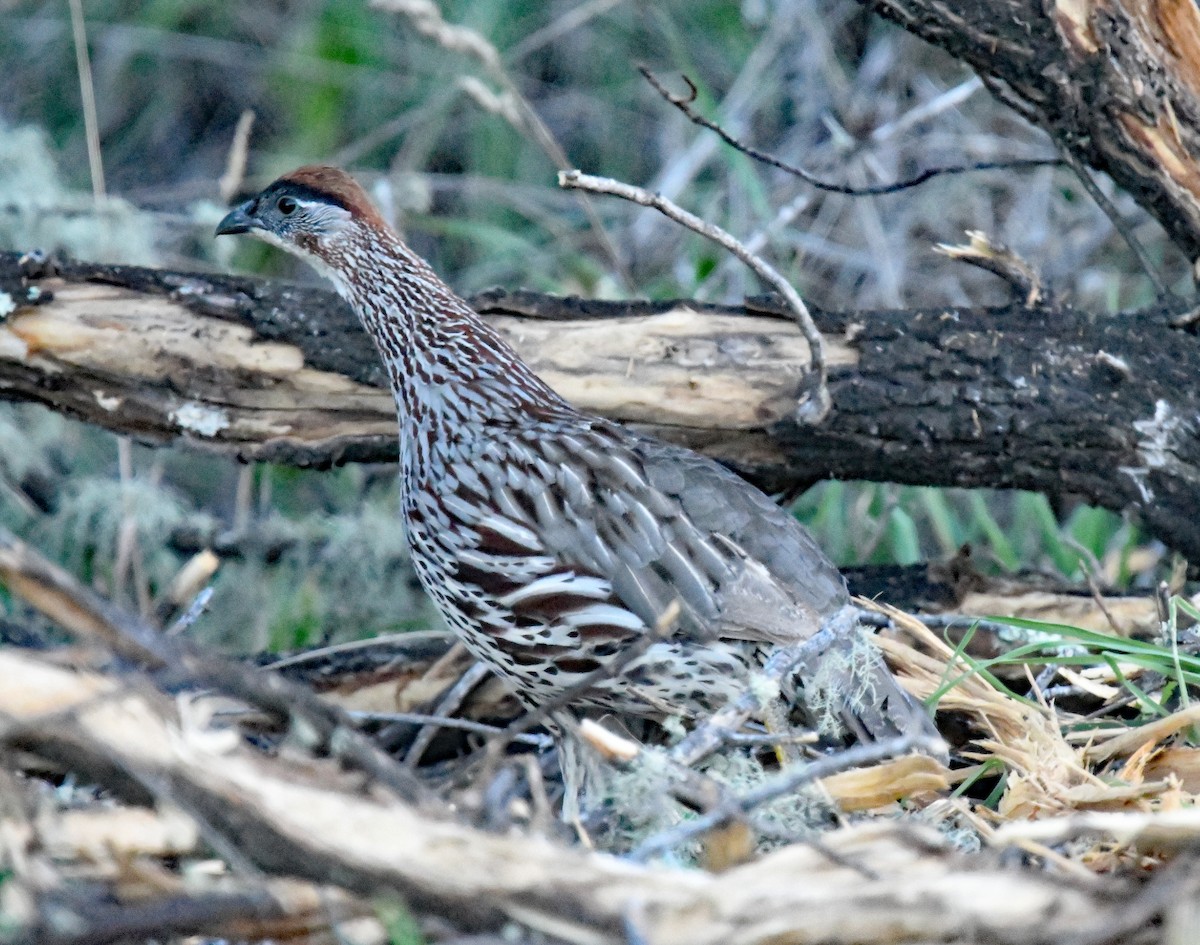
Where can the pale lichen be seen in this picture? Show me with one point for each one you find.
(39, 211)
(201, 419)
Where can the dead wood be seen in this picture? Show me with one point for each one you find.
(296, 813)
(311, 821)
(1051, 399)
(97, 621)
(1116, 83)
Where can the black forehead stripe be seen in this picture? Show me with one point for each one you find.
(300, 191)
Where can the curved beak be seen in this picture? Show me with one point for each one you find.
(239, 220)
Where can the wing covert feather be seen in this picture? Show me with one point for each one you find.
(663, 524)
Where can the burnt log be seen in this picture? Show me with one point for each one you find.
(1048, 398)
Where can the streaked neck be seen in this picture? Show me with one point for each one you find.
(445, 364)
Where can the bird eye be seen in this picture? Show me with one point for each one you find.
(286, 206)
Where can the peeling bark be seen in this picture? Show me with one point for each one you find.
(1049, 399)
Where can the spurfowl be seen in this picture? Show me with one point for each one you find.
(551, 540)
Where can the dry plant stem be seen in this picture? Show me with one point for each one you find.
(784, 783)
(813, 409)
(571, 20)
(1092, 569)
(448, 704)
(532, 121)
(951, 98)
(87, 92)
(235, 162)
(59, 596)
(129, 550)
(427, 19)
(1119, 224)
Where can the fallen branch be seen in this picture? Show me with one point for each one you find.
(1049, 399)
(307, 819)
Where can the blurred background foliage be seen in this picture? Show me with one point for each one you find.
(425, 116)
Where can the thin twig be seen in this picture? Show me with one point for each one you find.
(786, 782)
(440, 721)
(757, 739)
(1119, 224)
(812, 409)
(706, 738)
(1092, 569)
(193, 613)
(684, 104)
(441, 714)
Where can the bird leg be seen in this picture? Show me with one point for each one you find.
(775, 719)
(577, 762)
(711, 734)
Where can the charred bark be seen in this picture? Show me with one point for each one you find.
(1051, 399)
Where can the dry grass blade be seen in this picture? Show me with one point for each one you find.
(1125, 743)
(1044, 774)
(883, 784)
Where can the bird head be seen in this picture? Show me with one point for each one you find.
(315, 212)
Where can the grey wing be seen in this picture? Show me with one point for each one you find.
(781, 572)
(662, 524)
